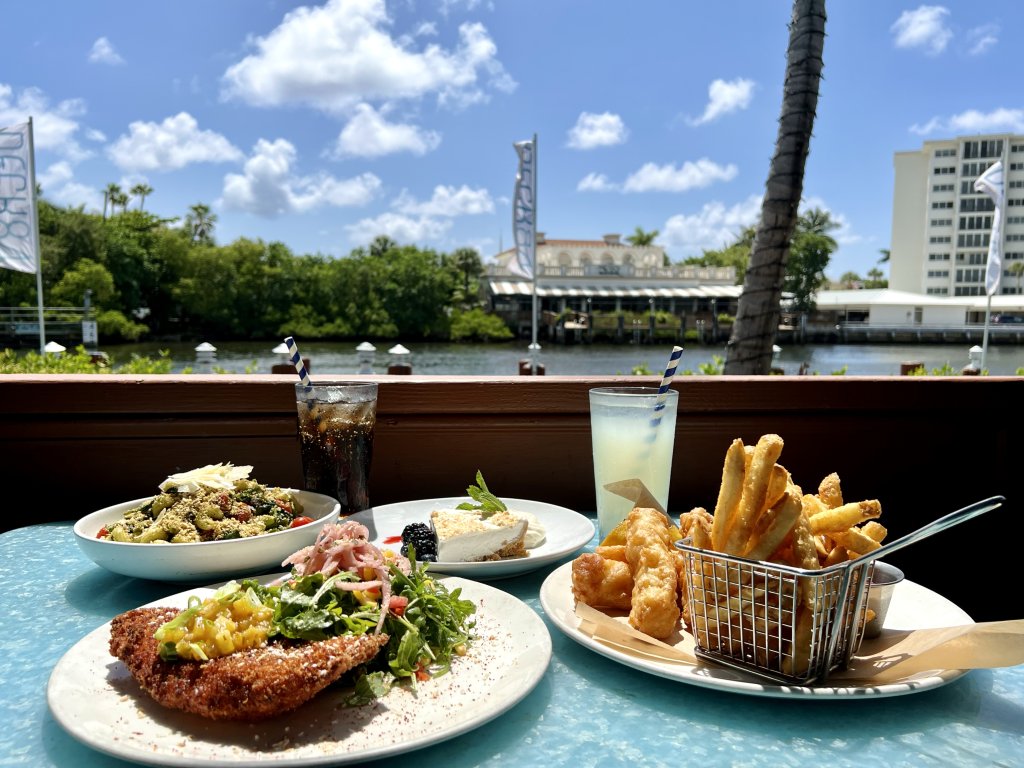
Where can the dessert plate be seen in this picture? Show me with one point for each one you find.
(567, 532)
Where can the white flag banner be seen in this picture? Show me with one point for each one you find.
(524, 211)
(991, 183)
(18, 246)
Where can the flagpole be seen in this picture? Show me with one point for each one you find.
(39, 254)
(984, 335)
(534, 346)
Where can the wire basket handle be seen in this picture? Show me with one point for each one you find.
(944, 522)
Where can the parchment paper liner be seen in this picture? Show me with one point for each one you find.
(893, 656)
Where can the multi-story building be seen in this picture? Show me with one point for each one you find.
(941, 227)
(611, 277)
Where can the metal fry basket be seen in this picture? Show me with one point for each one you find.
(787, 624)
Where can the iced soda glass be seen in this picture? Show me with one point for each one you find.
(627, 444)
(336, 421)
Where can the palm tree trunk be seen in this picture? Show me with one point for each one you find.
(749, 350)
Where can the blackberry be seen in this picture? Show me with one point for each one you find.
(422, 537)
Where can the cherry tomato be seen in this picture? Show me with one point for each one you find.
(102, 532)
(301, 521)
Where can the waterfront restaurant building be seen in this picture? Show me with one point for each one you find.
(609, 276)
(941, 226)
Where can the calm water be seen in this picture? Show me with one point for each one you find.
(576, 360)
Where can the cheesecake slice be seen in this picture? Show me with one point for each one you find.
(467, 536)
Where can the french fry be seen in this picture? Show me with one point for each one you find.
(874, 530)
(777, 486)
(729, 493)
(856, 541)
(755, 491)
(829, 491)
(839, 554)
(774, 526)
(845, 517)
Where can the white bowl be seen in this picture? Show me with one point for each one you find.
(204, 560)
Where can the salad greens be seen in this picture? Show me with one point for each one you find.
(427, 624)
(487, 503)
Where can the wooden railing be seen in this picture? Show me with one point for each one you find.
(924, 446)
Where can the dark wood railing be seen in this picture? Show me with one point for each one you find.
(924, 446)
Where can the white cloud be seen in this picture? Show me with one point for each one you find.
(53, 128)
(974, 121)
(725, 96)
(93, 134)
(982, 39)
(596, 182)
(668, 178)
(593, 130)
(403, 229)
(924, 28)
(268, 186)
(170, 145)
(103, 53)
(368, 134)
(60, 188)
(447, 201)
(713, 227)
(338, 55)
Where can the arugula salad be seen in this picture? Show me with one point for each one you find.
(340, 585)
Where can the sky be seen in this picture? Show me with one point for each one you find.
(323, 125)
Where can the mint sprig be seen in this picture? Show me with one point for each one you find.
(486, 502)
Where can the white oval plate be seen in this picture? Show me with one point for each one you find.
(567, 533)
(912, 607)
(94, 698)
(201, 561)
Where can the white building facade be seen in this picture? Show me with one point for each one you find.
(941, 227)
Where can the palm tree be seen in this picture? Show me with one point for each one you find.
(886, 255)
(121, 198)
(757, 319)
(1017, 269)
(108, 196)
(640, 237)
(200, 222)
(141, 191)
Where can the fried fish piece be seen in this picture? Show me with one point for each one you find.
(654, 608)
(250, 685)
(602, 582)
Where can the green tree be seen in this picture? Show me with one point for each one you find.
(1017, 270)
(809, 254)
(641, 238)
(85, 275)
(142, 191)
(849, 279)
(469, 266)
(200, 223)
(749, 350)
(886, 255)
(876, 279)
(109, 194)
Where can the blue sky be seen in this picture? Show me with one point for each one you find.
(323, 125)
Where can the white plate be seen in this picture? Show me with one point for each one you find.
(567, 533)
(912, 607)
(201, 561)
(93, 696)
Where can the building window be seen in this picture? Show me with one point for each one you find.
(938, 257)
(1017, 166)
(938, 291)
(975, 222)
(945, 153)
(1015, 238)
(942, 222)
(1017, 184)
(1017, 148)
(972, 241)
(945, 170)
(980, 204)
(943, 187)
(1016, 201)
(986, 148)
(940, 239)
(1015, 220)
(938, 273)
(939, 205)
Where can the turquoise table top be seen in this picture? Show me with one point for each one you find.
(587, 710)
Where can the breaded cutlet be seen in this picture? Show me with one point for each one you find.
(250, 685)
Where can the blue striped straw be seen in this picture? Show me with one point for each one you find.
(300, 367)
(666, 383)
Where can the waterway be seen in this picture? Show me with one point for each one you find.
(576, 360)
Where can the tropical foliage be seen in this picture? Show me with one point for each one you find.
(153, 278)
